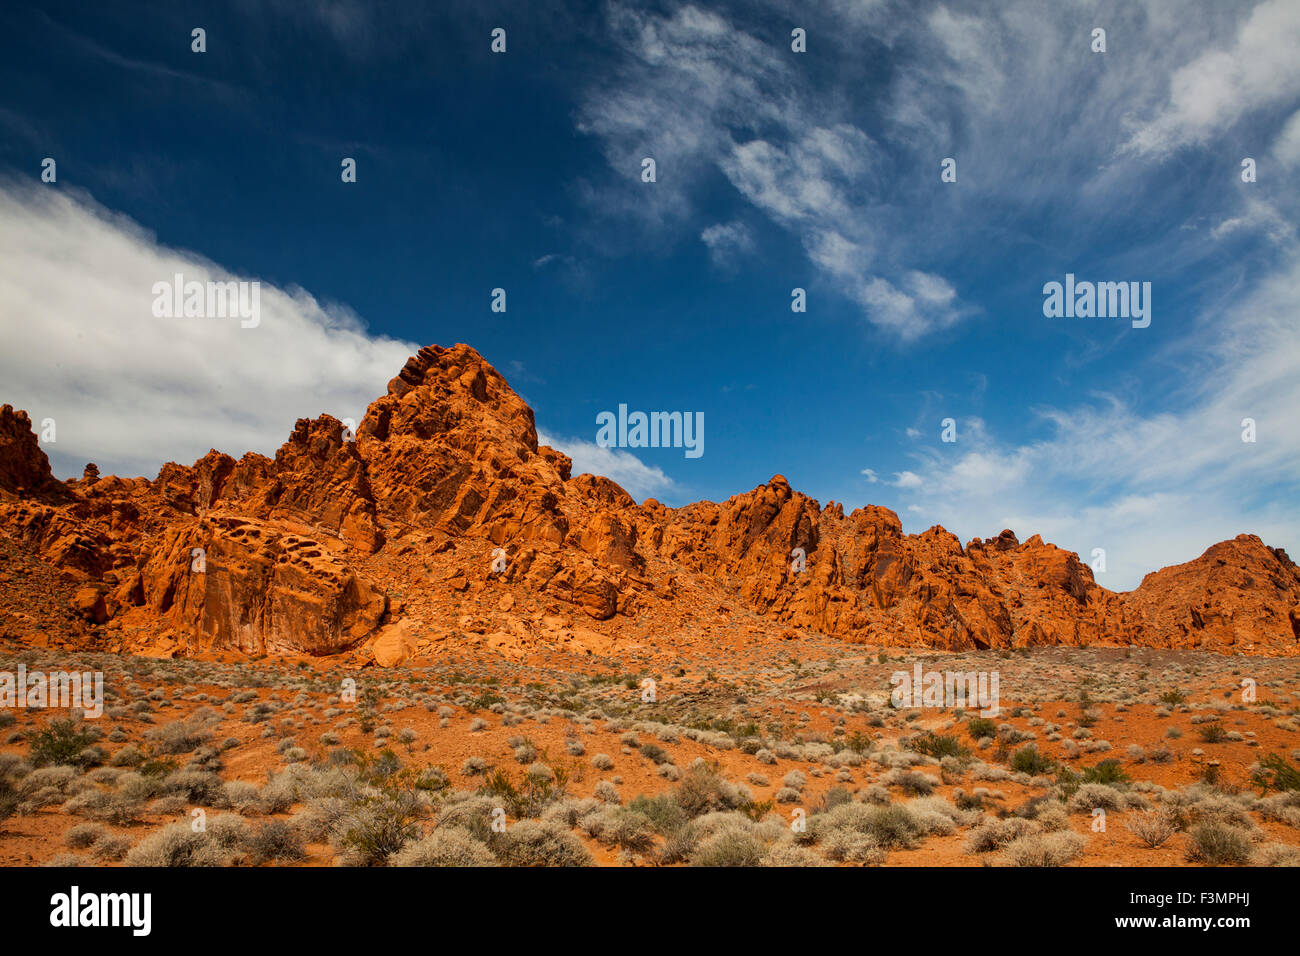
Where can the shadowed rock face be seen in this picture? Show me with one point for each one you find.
(297, 554)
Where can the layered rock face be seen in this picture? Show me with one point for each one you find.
(444, 496)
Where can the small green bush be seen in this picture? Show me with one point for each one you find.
(938, 745)
(63, 741)
(1107, 772)
(1213, 732)
(1028, 760)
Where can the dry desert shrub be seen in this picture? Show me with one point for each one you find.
(571, 812)
(128, 756)
(319, 817)
(525, 752)
(1051, 849)
(620, 827)
(989, 772)
(376, 827)
(853, 846)
(176, 845)
(1160, 754)
(911, 782)
(1152, 827)
(787, 854)
(936, 816)
(117, 808)
(241, 796)
(104, 775)
(1199, 803)
(1051, 815)
(995, 834)
(473, 813)
(229, 832)
(84, 835)
(474, 766)
(662, 810)
(537, 843)
(1218, 844)
(445, 846)
(1277, 854)
(606, 791)
(683, 840)
(183, 736)
(281, 791)
(1093, 795)
(654, 753)
(194, 786)
(729, 847)
(273, 841)
(703, 790)
(859, 833)
(876, 794)
(58, 779)
(1281, 808)
(110, 848)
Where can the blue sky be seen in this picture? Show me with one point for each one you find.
(775, 170)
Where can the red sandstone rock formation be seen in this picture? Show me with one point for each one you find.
(445, 494)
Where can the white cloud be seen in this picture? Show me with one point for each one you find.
(928, 304)
(1286, 150)
(973, 49)
(701, 94)
(727, 243)
(1258, 69)
(907, 479)
(637, 478)
(871, 476)
(849, 162)
(1153, 488)
(130, 391)
(1256, 216)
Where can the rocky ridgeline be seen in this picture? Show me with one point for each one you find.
(296, 554)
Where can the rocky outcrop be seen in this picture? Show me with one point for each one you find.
(445, 496)
(1240, 596)
(234, 583)
(24, 467)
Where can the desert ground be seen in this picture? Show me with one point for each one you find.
(753, 752)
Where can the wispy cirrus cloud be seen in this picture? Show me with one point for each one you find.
(702, 96)
(728, 243)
